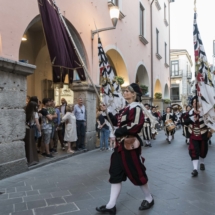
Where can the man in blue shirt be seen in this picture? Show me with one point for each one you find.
(80, 114)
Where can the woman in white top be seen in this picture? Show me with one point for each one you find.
(70, 135)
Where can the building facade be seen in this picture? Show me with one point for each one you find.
(181, 76)
(138, 48)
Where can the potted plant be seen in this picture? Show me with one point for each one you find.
(167, 101)
(120, 80)
(144, 89)
(158, 95)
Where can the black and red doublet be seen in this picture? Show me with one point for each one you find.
(128, 163)
(198, 134)
(184, 117)
(168, 116)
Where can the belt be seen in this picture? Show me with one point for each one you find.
(80, 120)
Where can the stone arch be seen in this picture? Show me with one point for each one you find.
(166, 91)
(116, 60)
(157, 88)
(35, 51)
(142, 77)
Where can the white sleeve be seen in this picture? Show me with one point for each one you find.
(65, 117)
(192, 118)
(36, 116)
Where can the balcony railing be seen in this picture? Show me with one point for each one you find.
(175, 97)
(176, 74)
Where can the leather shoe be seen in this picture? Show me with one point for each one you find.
(202, 166)
(194, 173)
(146, 205)
(103, 209)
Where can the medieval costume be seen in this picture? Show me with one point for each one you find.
(169, 133)
(184, 117)
(198, 134)
(127, 163)
(147, 131)
(157, 126)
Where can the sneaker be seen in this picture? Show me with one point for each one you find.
(55, 151)
(49, 156)
(101, 149)
(106, 149)
(43, 154)
(63, 148)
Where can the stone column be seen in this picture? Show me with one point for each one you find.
(87, 93)
(13, 88)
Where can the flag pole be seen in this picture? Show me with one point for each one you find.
(196, 61)
(80, 58)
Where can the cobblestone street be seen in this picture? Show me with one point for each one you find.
(75, 186)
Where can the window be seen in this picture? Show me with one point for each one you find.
(175, 68)
(165, 54)
(157, 41)
(175, 95)
(116, 2)
(142, 10)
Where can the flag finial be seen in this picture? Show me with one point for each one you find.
(195, 5)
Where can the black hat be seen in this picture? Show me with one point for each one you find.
(146, 104)
(136, 89)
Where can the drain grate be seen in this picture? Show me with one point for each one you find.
(1, 193)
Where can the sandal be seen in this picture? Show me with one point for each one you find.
(70, 151)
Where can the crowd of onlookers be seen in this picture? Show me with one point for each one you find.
(51, 124)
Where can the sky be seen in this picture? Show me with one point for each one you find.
(181, 25)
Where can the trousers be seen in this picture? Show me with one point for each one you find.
(81, 128)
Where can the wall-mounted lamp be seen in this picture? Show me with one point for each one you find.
(114, 15)
(24, 37)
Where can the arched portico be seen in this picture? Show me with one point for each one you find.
(117, 62)
(166, 92)
(35, 51)
(142, 77)
(157, 88)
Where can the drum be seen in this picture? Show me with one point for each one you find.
(169, 125)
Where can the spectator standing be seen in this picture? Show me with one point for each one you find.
(81, 116)
(61, 129)
(104, 130)
(46, 126)
(27, 99)
(56, 125)
(33, 132)
(70, 127)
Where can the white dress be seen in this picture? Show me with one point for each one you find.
(70, 127)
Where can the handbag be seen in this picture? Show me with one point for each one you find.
(131, 143)
(209, 135)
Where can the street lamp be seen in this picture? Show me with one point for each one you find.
(24, 37)
(114, 15)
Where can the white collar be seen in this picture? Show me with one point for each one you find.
(133, 105)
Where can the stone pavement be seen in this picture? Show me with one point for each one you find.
(77, 185)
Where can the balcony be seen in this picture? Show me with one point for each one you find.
(175, 97)
(189, 75)
(176, 74)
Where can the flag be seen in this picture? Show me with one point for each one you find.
(110, 88)
(61, 50)
(204, 84)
